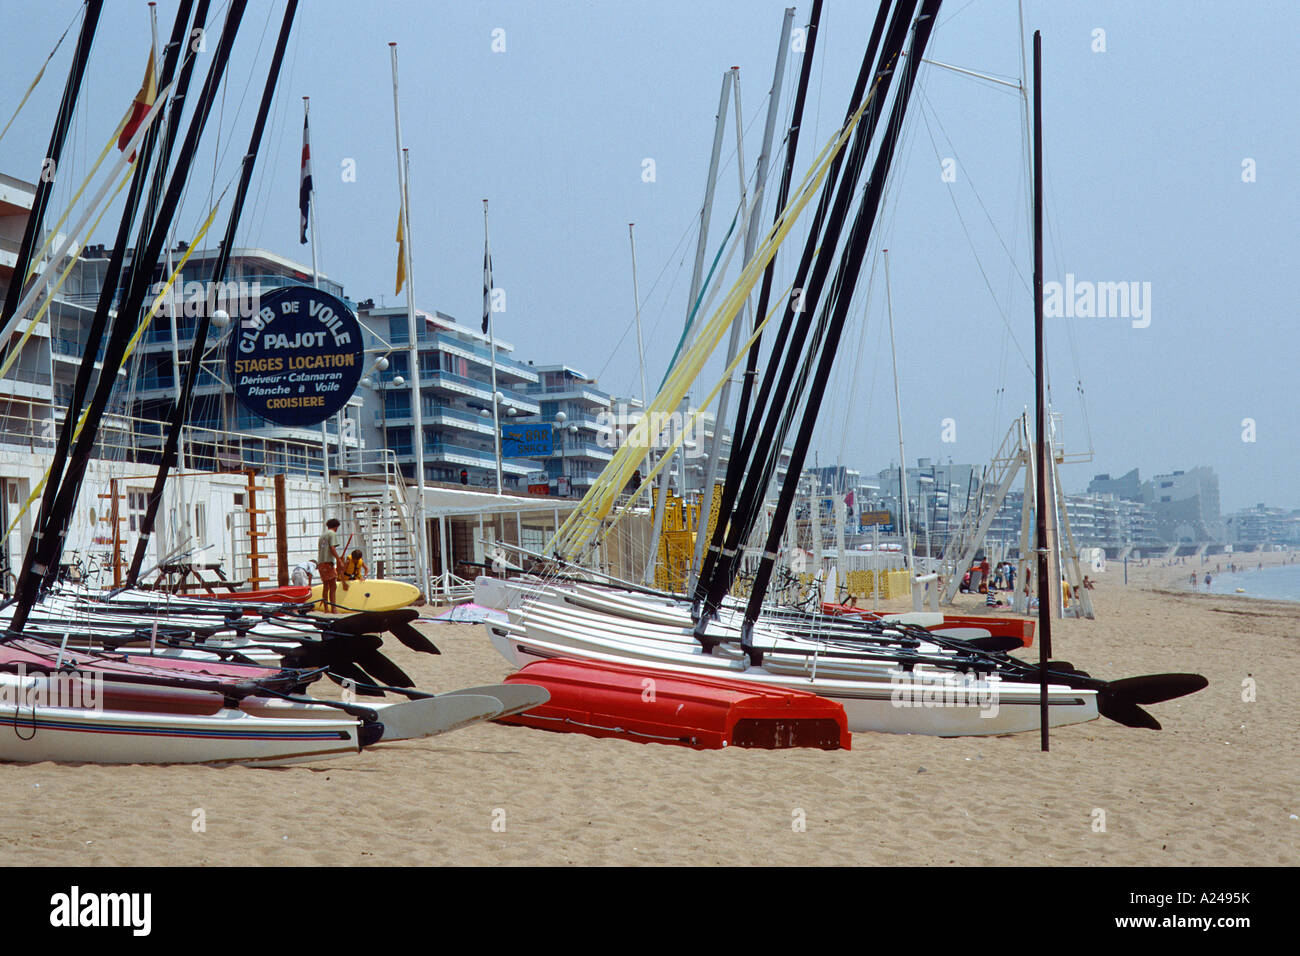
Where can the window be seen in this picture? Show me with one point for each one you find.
(137, 503)
(397, 403)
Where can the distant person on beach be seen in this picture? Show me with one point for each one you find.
(327, 563)
(1087, 583)
(1193, 580)
(302, 574)
(1207, 580)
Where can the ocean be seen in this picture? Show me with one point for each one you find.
(1278, 583)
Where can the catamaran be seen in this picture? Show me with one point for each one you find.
(132, 677)
(890, 674)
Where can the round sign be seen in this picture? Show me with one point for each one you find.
(298, 360)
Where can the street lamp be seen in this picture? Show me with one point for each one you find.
(381, 386)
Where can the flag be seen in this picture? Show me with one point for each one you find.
(401, 254)
(487, 284)
(304, 184)
(141, 105)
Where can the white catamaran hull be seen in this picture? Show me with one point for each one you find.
(926, 702)
(266, 731)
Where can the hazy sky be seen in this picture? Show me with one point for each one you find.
(1147, 143)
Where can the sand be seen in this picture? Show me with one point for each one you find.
(1219, 785)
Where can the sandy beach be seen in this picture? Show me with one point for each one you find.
(1217, 786)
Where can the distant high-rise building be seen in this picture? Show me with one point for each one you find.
(1185, 505)
(1262, 526)
(1127, 486)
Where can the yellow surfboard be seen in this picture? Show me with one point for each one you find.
(374, 595)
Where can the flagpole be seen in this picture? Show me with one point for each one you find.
(492, 340)
(413, 346)
(315, 281)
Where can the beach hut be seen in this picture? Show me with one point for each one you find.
(1093, 559)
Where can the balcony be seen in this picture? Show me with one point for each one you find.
(463, 455)
(454, 346)
(583, 449)
(480, 390)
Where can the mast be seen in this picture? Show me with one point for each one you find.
(50, 164)
(180, 411)
(157, 134)
(179, 491)
(492, 341)
(1040, 411)
(640, 344)
(905, 515)
(751, 239)
(57, 519)
(413, 344)
(758, 451)
(843, 285)
(697, 278)
(315, 282)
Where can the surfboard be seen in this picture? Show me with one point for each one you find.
(375, 595)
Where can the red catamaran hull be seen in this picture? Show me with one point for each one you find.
(650, 705)
(1021, 628)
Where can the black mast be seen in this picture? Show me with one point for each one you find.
(180, 409)
(56, 521)
(774, 395)
(721, 552)
(845, 281)
(734, 461)
(108, 291)
(1040, 411)
(50, 164)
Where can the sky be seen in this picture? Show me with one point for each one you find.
(1171, 142)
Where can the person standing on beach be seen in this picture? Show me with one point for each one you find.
(327, 561)
(1193, 580)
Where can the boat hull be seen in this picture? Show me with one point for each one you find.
(898, 704)
(650, 705)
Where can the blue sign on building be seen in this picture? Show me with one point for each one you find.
(298, 360)
(531, 440)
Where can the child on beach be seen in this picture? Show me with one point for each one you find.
(354, 567)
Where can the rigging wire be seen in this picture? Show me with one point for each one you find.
(978, 262)
(81, 9)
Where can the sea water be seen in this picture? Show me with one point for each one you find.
(1278, 583)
